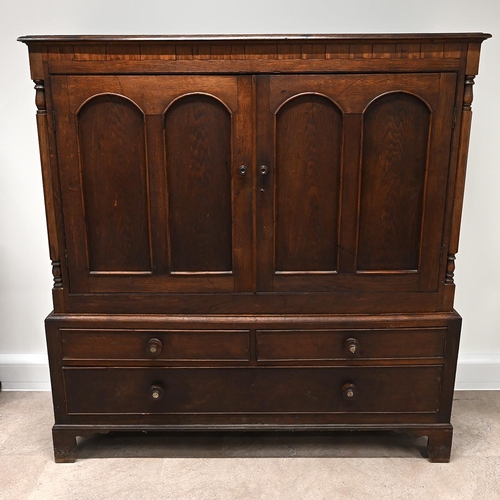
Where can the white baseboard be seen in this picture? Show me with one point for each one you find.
(24, 372)
(478, 372)
(30, 372)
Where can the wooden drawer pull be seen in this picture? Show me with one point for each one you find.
(154, 347)
(351, 346)
(156, 392)
(349, 391)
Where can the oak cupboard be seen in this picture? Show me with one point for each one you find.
(253, 232)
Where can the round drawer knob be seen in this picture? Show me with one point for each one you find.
(154, 347)
(242, 170)
(351, 346)
(349, 391)
(156, 392)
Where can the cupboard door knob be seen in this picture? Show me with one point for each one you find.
(242, 170)
(156, 392)
(155, 346)
(351, 346)
(349, 391)
(263, 169)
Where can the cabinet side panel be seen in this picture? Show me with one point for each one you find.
(308, 146)
(113, 170)
(198, 158)
(395, 145)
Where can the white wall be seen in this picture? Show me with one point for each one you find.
(25, 277)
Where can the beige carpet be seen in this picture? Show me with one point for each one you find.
(375, 466)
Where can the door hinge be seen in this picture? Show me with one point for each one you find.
(454, 117)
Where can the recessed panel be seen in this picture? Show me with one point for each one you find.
(308, 145)
(113, 171)
(395, 143)
(198, 157)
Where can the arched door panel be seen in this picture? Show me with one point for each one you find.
(307, 174)
(395, 149)
(112, 147)
(198, 162)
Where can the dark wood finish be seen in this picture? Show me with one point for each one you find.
(173, 126)
(439, 446)
(334, 344)
(180, 345)
(293, 37)
(395, 145)
(65, 443)
(111, 134)
(252, 390)
(198, 159)
(251, 66)
(307, 173)
(64, 446)
(400, 165)
(253, 232)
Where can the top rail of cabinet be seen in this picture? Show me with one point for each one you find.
(375, 37)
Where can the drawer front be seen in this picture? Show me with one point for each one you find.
(175, 345)
(250, 390)
(347, 344)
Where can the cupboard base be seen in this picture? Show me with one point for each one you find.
(253, 373)
(438, 445)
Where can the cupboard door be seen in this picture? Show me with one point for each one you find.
(151, 186)
(352, 185)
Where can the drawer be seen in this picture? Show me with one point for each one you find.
(346, 344)
(249, 390)
(175, 345)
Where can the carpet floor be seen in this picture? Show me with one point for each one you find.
(248, 466)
